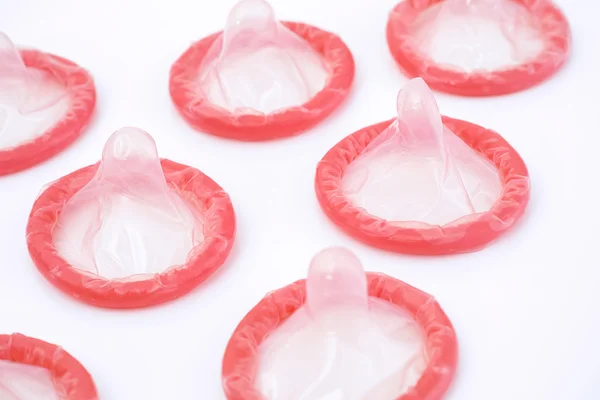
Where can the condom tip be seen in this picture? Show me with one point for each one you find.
(252, 12)
(335, 278)
(128, 143)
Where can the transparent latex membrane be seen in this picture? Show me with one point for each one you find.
(31, 101)
(127, 222)
(26, 382)
(473, 35)
(342, 344)
(417, 170)
(258, 65)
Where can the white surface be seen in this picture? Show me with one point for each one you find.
(525, 309)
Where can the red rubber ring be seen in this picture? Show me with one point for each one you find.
(466, 234)
(555, 30)
(83, 100)
(69, 376)
(240, 363)
(204, 116)
(200, 191)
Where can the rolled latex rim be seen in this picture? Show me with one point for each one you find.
(489, 83)
(240, 363)
(205, 116)
(82, 94)
(66, 371)
(462, 235)
(203, 261)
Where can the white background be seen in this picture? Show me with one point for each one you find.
(525, 309)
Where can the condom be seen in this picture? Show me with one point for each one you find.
(342, 334)
(479, 47)
(31, 369)
(45, 104)
(422, 183)
(132, 230)
(261, 79)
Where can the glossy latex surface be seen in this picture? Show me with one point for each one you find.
(417, 170)
(127, 221)
(341, 344)
(475, 35)
(31, 100)
(258, 65)
(479, 47)
(26, 382)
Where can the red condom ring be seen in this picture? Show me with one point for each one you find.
(470, 232)
(554, 29)
(82, 93)
(240, 360)
(206, 198)
(69, 376)
(203, 115)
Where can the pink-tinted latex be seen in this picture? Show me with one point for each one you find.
(418, 171)
(127, 222)
(31, 101)
(473, 35)
(26, 382)
(342, 344)
(258, 65)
